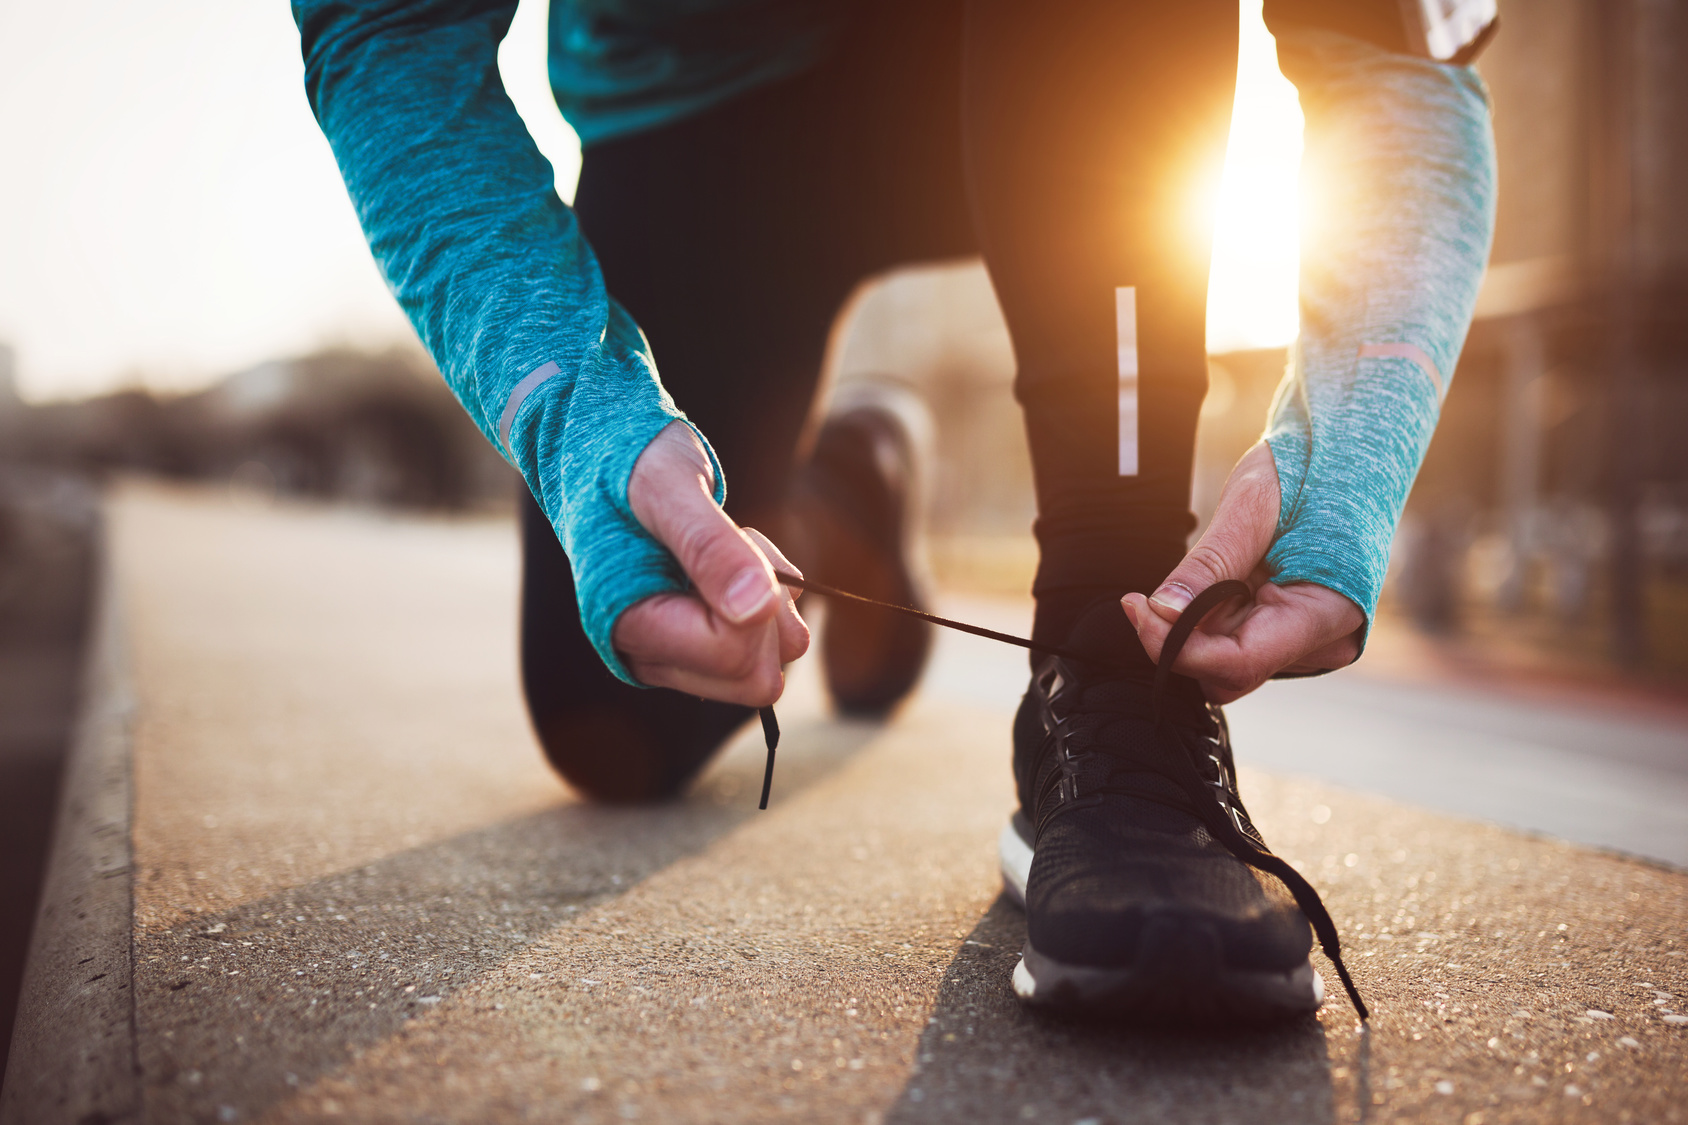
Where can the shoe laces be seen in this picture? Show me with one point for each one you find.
(1215, 804)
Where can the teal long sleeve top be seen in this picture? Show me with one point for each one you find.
(1402, 151)
(490, 266)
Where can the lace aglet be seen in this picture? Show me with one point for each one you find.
(771, 735)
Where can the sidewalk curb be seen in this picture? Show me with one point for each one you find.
(73, 1057)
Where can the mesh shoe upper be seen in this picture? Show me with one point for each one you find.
(1119, 840)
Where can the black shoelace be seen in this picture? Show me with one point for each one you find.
(1211, 807)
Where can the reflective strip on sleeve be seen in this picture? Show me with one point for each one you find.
(1406, 351)
(518, 396)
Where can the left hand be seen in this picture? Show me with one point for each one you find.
(728, 636)
(1301, 627)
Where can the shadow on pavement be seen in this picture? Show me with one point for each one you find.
(237, 1010)
(50, 535)
(983, 1058)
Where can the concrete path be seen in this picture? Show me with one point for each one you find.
(1611, 772)
(359, 895)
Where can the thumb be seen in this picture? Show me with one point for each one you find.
(671, 493)
(1235, 541)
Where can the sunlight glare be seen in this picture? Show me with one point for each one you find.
(1251, 300)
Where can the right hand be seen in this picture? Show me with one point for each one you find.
(728, 636)
(1300, 627)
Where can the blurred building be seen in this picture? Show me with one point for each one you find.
(376, 429)
(1554, 501)
(1558, 482)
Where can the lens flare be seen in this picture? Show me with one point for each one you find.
(1251, 300)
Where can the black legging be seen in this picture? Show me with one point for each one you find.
(1062, 140)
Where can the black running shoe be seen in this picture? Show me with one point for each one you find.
(1149, 894)
(857, 513)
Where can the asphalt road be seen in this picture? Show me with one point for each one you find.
(359, 894)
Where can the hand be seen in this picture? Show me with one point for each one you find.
(1301, 627)
(728, 636)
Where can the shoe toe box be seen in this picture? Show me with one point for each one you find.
(1107, 895)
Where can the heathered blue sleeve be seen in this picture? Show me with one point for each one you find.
(1400, 162)
(490, 266)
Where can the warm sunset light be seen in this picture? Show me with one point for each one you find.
(197, 224)
(1252, 297)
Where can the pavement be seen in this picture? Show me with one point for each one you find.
(355, 892)
(1599, 766)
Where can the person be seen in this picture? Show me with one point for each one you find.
(746, 165)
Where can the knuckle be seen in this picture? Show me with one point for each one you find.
(1207, 562)
(1250, 676)
(694, 542)
(1232, 682)
(720, 553)
(798, 646)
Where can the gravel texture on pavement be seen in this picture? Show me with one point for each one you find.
(360, 895)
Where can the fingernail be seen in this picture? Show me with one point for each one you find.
(748, 593)
(1130, 611)
(1174, 596)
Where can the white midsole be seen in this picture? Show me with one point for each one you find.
(1303, 987)
(1024, 986)
(1015, 857)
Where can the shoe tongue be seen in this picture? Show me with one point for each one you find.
(1104, 634)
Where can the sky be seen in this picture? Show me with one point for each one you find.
(170, 213)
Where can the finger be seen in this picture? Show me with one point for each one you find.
(675, 640)
(707, 687)
(1291, 628)
(794, 631)
(1153, 629)
(681, 629)
(774, 555)
(1271, 639)
(1235, 540)
(671, 495)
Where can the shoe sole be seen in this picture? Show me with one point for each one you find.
(1178, 974)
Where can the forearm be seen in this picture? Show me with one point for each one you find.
(1400, 158)
(492, 270)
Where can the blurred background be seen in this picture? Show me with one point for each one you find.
(184, 292)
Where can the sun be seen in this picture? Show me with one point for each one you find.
(1251, 301)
